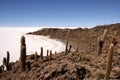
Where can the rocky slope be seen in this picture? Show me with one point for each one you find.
(84, 64)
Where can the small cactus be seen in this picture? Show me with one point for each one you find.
(101, 41)
(50, 58)
(41, 54)
(4, 61)
(35, 56)
(100, 47)
(23, 54)
(104, 35)
(47, 52)
(66, 48)
(109, 61)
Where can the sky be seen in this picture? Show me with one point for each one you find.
(58, 13)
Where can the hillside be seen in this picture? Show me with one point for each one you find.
(84, 64)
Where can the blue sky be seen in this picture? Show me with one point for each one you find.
(58, 13)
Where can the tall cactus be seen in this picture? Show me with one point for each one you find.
(23, 54)
(66, 48)
(7, 61)
(109, 61)
(41, 54)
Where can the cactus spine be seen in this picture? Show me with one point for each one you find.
(23, 54)
(109, 61)
(41, 54)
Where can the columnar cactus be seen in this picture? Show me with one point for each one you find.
(7, 62)
(66, 48)
(4, 61)
(35, 56)
(41, 54)
(109, 61)
(23, 54)
(50, 58)
(101, 41)
(47, 52)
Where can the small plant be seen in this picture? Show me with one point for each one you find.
(109, 61)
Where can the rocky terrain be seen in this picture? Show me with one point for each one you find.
(82, 64)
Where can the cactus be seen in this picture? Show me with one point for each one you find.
(23, 54)
(114, 39)
(66, 48)
(35, 56)
(70, 48)
(109, 61)
(41, 54)
(7, 61)
(50, 58)
(47, 52)
(100, 46)
(101, 41)
(4, 61)
(104, 35)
